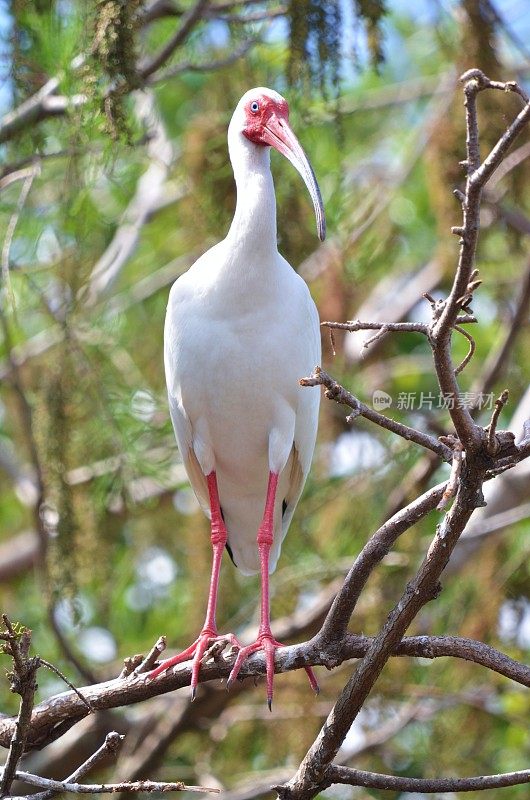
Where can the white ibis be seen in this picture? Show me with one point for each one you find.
(241, 330)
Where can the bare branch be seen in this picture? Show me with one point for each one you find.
(454, 477)
(67, 707)
(102, 788)
(421, 589)
(110, 746)
(477, 176)
(23, 682)
(334, 391)
(493, 444)
(29, 175)
(357, 325)
(374, 780)
(188, 21)
(470, 352)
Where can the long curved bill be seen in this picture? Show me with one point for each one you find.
(278, 133)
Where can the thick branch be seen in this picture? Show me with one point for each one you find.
(69, 708)
(311, 775)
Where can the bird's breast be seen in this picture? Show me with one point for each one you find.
(234, 357)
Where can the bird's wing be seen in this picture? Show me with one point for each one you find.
(183, 435)
(306, 422)
(180, 419)
(296, 485)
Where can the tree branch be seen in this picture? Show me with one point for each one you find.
(23, 682)
(69, 708)
(374, 780)
(110, 746)
(334, 391)
(188, 21)
(477, 176)
(102, 788)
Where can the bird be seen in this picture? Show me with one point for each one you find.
(241, 330)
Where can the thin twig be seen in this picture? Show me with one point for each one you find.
(374, 780)
(358, 325)
(23, 682)
(334, 391)
(500, 402)
(470, 352)
(188, 21)
(63, 677)
(110, 746)
(29, 176)
(102, 788)
(151, 658)
(454, 477)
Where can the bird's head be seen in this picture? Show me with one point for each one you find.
(262, 116)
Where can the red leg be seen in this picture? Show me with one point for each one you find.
(209, 630)
(265, 640)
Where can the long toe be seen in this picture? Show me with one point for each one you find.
(202, 646)
(195, 651)
(312, 680)
(170, 662)
(268, 645)
(244, 653)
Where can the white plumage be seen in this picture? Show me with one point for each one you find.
(241, 330)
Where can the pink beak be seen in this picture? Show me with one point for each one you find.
(278, 133)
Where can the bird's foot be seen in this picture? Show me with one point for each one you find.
(268, 644)
(208, 642)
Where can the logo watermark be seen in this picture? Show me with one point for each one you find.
(381, 400)
(430, 401)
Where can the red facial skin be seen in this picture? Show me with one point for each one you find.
(268, 124)
(256, 121)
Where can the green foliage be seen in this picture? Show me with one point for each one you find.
(114, 52)
(316, 39)
(93, 375)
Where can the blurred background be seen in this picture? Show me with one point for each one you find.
(113, 181)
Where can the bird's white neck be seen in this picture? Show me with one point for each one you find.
(253, 228)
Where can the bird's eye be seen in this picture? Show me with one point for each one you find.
(254, 106)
